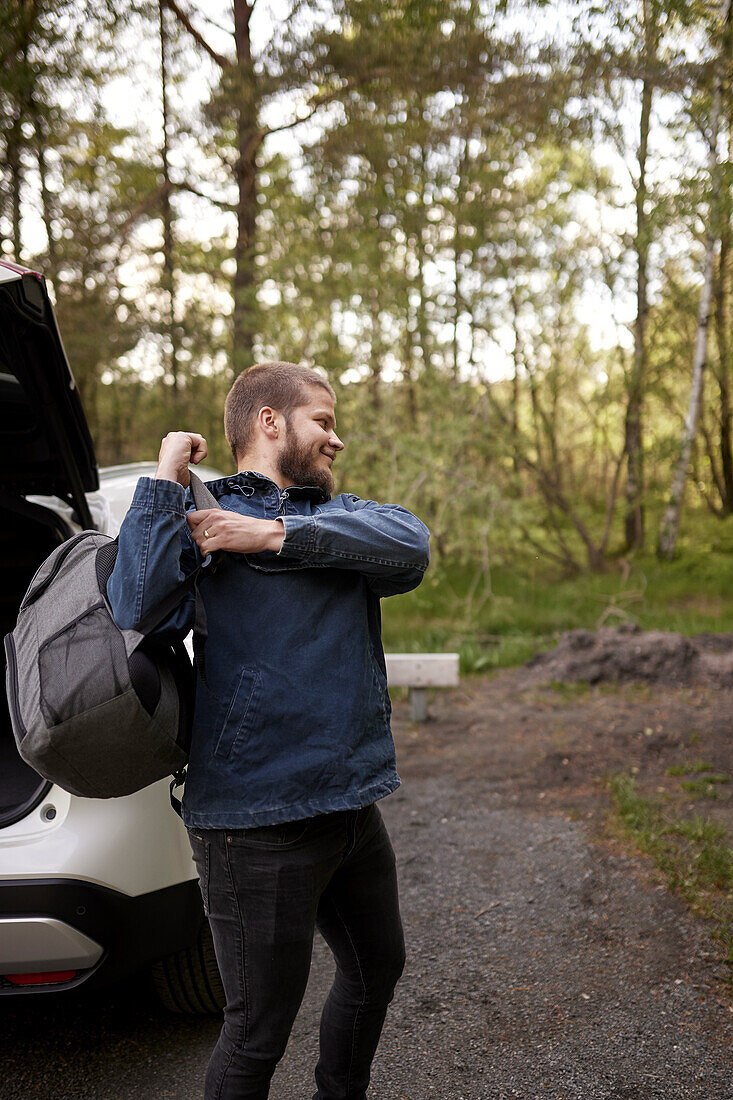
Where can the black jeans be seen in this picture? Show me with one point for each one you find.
(265, 891)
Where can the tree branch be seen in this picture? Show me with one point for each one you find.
(215, 25)
(566, 559)
(221, 203)
(317, 102)
(322, 98)
(611, 504)
(183, 19)
(142, 209)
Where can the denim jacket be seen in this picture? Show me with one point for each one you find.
(292, 718)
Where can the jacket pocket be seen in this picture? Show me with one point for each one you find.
(379, 681)
(273, 837)
(240, 713)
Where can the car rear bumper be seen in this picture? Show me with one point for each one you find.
(33, 944)
(88, 932)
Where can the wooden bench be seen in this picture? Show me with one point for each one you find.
(418, 672)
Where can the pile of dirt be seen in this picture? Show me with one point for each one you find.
(624, 654)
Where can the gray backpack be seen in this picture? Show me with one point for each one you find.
(98, 710)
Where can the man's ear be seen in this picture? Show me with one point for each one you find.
(270, 422)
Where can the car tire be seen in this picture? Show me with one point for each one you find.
(188, 981)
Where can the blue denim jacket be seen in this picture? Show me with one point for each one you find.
(293, 719)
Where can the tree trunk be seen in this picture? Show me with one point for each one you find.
(457, 307)
(244, 325)
(47, 207)
(16, 178)
(422, 314)
(633, 441)
(514, 413)
(667, 543)
(375, 350)
(722, 313)
(670, 523)
(458, 268)
(408, 355)
(168, 274)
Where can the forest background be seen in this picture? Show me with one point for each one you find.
(503, 229)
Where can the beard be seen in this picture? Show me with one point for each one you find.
(296, 462)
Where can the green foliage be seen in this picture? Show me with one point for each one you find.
(516, 602)
(441, 241)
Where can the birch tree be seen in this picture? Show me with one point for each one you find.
(667, 542)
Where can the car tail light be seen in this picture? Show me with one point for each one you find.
(50, 977)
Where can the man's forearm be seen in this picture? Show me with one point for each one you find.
(385, 542)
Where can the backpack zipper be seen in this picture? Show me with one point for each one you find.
(13, 701)
(32, 594)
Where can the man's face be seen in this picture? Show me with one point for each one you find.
(310, 443)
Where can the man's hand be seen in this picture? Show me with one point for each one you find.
(215, 529)
(176, 451)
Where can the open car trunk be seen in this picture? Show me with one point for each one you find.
(47, 450)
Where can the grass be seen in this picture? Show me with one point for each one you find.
(705, 786)
(693, 767)
(570, 689)
(692, 853)
(522, 606)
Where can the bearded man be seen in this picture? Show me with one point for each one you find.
(291, 744)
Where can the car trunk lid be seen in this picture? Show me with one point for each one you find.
(44, 435)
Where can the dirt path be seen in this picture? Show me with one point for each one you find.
(545, 960)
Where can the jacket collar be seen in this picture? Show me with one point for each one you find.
(260, 483)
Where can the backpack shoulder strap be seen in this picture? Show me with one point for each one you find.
(202, 498)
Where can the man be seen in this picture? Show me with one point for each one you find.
(291, 743)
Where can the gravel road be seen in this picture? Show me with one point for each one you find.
(541, 963)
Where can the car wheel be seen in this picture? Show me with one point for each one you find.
(188, 981)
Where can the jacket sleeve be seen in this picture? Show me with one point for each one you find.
(155, 554)
(386, 543)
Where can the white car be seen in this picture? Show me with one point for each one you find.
(91, 890)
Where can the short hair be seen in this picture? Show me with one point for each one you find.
(282, 386)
